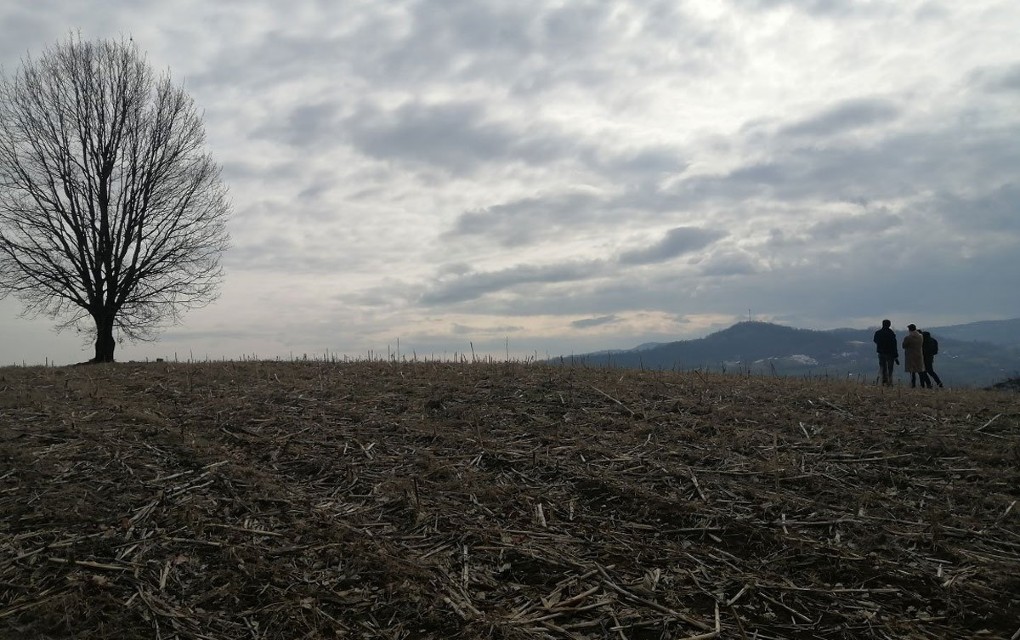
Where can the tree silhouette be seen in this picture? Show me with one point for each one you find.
(110, 209)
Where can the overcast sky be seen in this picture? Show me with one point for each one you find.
(549, 178)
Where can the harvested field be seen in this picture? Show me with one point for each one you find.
(505, 501)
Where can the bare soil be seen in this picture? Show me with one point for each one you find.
(501, 500)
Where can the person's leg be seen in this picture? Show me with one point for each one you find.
(929, 366)
(885, 364)
(925, 380)
(913, 380)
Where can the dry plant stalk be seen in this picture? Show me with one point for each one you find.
(500, 500)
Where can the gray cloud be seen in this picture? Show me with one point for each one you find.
(588, 323)
(523, 221)
(820, 8)
(729, 264)
(463, 330)
(275, 58)
(997, 210)
(845, 116)
(456, 136)
(524, 48)
(519, 222)
(868, 278)
(996, 79)
(676, 242)
(869, 223)
(878, 281)
(477, 284)
(456, 39)
(293, 255)
(904, 163)
(650, 162)
(531, 48)
(306, 126)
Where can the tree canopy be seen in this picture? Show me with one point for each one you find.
(112, 214)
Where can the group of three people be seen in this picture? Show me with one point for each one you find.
(919, 349)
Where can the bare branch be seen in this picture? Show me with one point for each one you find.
(110, 208)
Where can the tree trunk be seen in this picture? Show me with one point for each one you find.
(105, 344)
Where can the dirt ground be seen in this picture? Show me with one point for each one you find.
(501, 500)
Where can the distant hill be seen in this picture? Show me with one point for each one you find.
(1003, 332)
(771, 349)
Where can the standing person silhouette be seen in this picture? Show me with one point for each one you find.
(913, 356)
(888, 353)
(931, 347)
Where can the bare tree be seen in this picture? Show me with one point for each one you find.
(112, 216)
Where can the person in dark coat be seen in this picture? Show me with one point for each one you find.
(930, 347)
(913, 356)
(888, 352)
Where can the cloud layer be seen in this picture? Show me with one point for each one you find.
(535, 178)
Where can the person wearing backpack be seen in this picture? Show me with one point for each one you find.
(930, 347)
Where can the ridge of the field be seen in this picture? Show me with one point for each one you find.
(501, 500)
